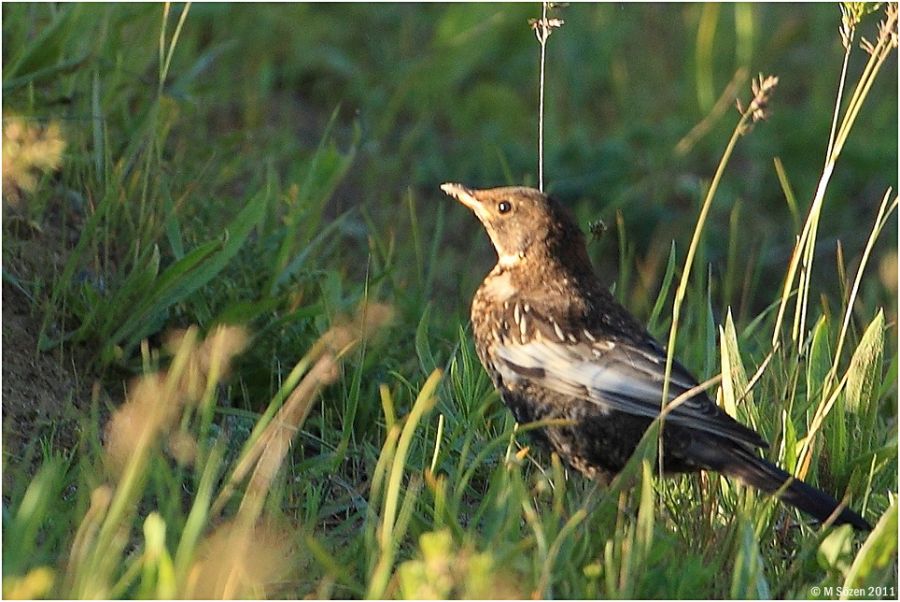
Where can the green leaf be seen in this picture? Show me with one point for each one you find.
(856, 411)
(34, 511)
(789, 436)
(663, 290)
(865, 368)
(174, 234)
(875, 564)
(243, 312)
(13, 83)
(710, 330)
(160, 292)
(423, 346)
(44, 51)
(819, 363)
(135, 286)
(734, 377)
(86, 237)
(299, 260)
(304, 211)
(836, 551)
(836, 441)
(646, 513)
(749, 580)
(188, 274)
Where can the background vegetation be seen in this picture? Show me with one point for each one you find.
(275, 168)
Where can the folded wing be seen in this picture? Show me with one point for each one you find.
(621, 377)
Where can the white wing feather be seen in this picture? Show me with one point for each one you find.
(622, 378)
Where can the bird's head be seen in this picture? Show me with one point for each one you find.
(523, 223)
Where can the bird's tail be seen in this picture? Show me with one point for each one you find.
(743, 464)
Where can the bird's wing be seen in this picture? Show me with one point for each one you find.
(617, 376)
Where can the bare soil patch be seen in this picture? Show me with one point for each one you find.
(43, 396)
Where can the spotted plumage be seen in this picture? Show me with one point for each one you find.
(557, 345)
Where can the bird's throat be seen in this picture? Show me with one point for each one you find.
(499, 286)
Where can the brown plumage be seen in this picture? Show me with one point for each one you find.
(558, 345)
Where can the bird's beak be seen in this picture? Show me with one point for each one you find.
(463, 195)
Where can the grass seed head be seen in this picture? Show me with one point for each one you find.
(240, 562)
(149, 410)
(29, 149)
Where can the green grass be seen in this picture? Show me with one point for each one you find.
(275, 168)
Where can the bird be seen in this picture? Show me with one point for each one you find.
(558, 345)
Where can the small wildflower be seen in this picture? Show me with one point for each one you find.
(762, 90)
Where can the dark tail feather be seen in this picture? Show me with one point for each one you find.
(765, 476)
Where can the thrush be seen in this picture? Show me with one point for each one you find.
(557, 345)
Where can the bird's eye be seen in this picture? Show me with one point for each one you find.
(504, 207)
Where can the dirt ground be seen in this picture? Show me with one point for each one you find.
(43, 399)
